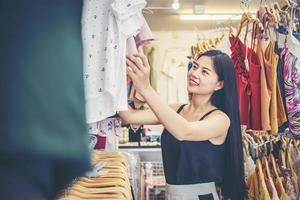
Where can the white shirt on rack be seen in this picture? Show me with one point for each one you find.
(175, 70)
(106, 25)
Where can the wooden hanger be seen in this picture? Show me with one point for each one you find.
(284, 4)
(278, 10)
(246, 137)
(276, 13)
(245, 20)
(271, 16)
(251, 136)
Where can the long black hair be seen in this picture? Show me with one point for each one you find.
(226, 99)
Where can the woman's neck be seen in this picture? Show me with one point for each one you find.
(200, 103)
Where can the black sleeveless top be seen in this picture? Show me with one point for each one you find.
(192, 162)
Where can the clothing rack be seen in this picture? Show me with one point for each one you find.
(263, 143)
(275, 165)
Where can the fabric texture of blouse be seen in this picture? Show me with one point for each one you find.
(106, 25)
(292, 91)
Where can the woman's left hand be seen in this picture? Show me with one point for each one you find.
(139, 71)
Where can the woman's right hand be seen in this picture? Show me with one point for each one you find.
(138, 117)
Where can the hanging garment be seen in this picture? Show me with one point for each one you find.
(106, 25)
(249, 166)
(265, 90)
(272, 188)
(263, 191)
(242, 76)
(175, 71)
(144, 35)
(254, 79)
(251, 186)
(289, 187)
(248, 83)
(281, 114)
(277, 113)
(292, 91)
(270, 61)
(292, 82)
(280, 189)
(141, 37)
(107, 132)
(134, 43)
(280, 79)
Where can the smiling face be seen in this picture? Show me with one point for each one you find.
(202, 77)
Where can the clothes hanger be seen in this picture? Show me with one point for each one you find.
(246, 17)
(245, 20)
(251, 135)
(271, 15)
(284, 4)
(275, 14)
(277, 10)
(211, 43)
(281, 13)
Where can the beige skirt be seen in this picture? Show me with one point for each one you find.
(202, 191)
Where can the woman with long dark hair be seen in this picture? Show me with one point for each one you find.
(202, 142)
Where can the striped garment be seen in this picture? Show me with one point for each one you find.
(292, 90)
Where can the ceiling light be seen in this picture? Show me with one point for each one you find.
(175, 4)
(211, 17)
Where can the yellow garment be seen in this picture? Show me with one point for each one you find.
(251, 186)
(281, 115)
(271, 60)
(263, 191)
(256, 187)
(265, 93)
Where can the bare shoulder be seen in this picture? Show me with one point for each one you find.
(219, 116)
(219, 121)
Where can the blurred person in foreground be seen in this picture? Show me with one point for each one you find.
(43, 139)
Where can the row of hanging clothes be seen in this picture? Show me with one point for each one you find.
(268, 71)
(272, 166)
(265, 50)
(111, 29)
